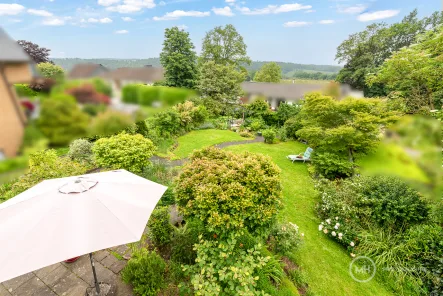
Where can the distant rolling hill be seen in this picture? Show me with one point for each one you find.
(288, 69)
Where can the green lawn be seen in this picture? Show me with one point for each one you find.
(325, 262)
(203, 138)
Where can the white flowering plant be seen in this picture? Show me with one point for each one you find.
(339, 230)
(285, 238)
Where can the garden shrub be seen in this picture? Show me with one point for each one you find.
(45, 165)
(246, 134)
(49, 70)
(61, 120)
(257, 124)
(332, 165)
(145, 271)
(284, 238)
(286, 111)
(94, 109)
(130, 93)
(223, 268)
(183, 240)
(101, 86)
(282, 134)
(42, 85)
(80, 150)
(191, 116)
(229, 192)
(292, 125)
(148, 95)
(87, 94)
(272, 270)
(123, 151)
(167, 123)
(258, 108)
(269, 135)
(159, 228)
(23, 90)
(109, 123)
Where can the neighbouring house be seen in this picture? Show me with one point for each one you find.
(123, 76)
(16, 66)
(276, 93)
(87, 70)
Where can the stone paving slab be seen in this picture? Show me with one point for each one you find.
(71, 279)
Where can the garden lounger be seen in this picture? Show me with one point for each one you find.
(306, 156)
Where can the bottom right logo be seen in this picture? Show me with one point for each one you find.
(362, 269)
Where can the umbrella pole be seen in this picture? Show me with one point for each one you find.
(97, 287)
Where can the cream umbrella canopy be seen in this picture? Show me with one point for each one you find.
(68, 217)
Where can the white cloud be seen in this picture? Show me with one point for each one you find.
(295, 24)
(128, 19)
(230, 2)
(377, 15)
(326, 22)
(359, 8)
(39, 12)
(93, 20)
(11, 9)
(162, 3)
(53, 22)
(182, 27)
(274, 9)
(181, 13)
(107, 2)
(121, 32)
(130, 6)
(226, 11)
(310, 11)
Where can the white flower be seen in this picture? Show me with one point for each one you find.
(336, 218)
(333, 233)
(320, 227)
(328, 221)
(336, 227)
(352, 255)
(340, 237)
(337, 224)
(325, 230)
(340, 234)
(352, 244)
(302, 234)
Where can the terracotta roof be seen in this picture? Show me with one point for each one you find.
(281, 90)
(10, 50)
(85, 70)
(142, 74)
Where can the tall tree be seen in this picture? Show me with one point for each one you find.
(179, 59)
(49, 70)
(37, 53)
(416, 73)
(270, 72)
(225, 46)
(220, 86)
(363, 52)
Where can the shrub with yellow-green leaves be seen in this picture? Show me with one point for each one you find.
(124, 151)
(230, 193)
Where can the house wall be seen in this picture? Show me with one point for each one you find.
(12, 117)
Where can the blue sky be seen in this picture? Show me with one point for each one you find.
(300, 31)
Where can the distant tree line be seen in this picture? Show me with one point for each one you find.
(314, 75)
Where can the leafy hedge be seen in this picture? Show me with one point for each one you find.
(23, 90)
(145, 94)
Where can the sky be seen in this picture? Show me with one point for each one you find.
(301, 31)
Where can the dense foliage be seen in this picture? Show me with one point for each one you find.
(37, 53)
(268, 73)
(49, 70)
(363, 52)
(146, 272)
(343, 128)
(179, 59)
(61, 120)
(160, 230)
(147, 95)
(415, 73)
(80, 150)
(109, 123)
(123, 151)
(229, 192)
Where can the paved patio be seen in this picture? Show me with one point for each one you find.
(72, 279)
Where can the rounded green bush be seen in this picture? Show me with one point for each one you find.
(80, 150)
(269, 135)
(160, 230)
(109, 123)
(230, 192)
(123, 151)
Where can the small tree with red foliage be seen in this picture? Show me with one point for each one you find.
(86, 94)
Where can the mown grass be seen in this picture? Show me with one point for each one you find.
(325, 263)
(203, 138)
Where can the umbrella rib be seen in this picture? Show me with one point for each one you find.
(117, 218)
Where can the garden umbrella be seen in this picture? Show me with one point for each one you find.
(63, 218)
